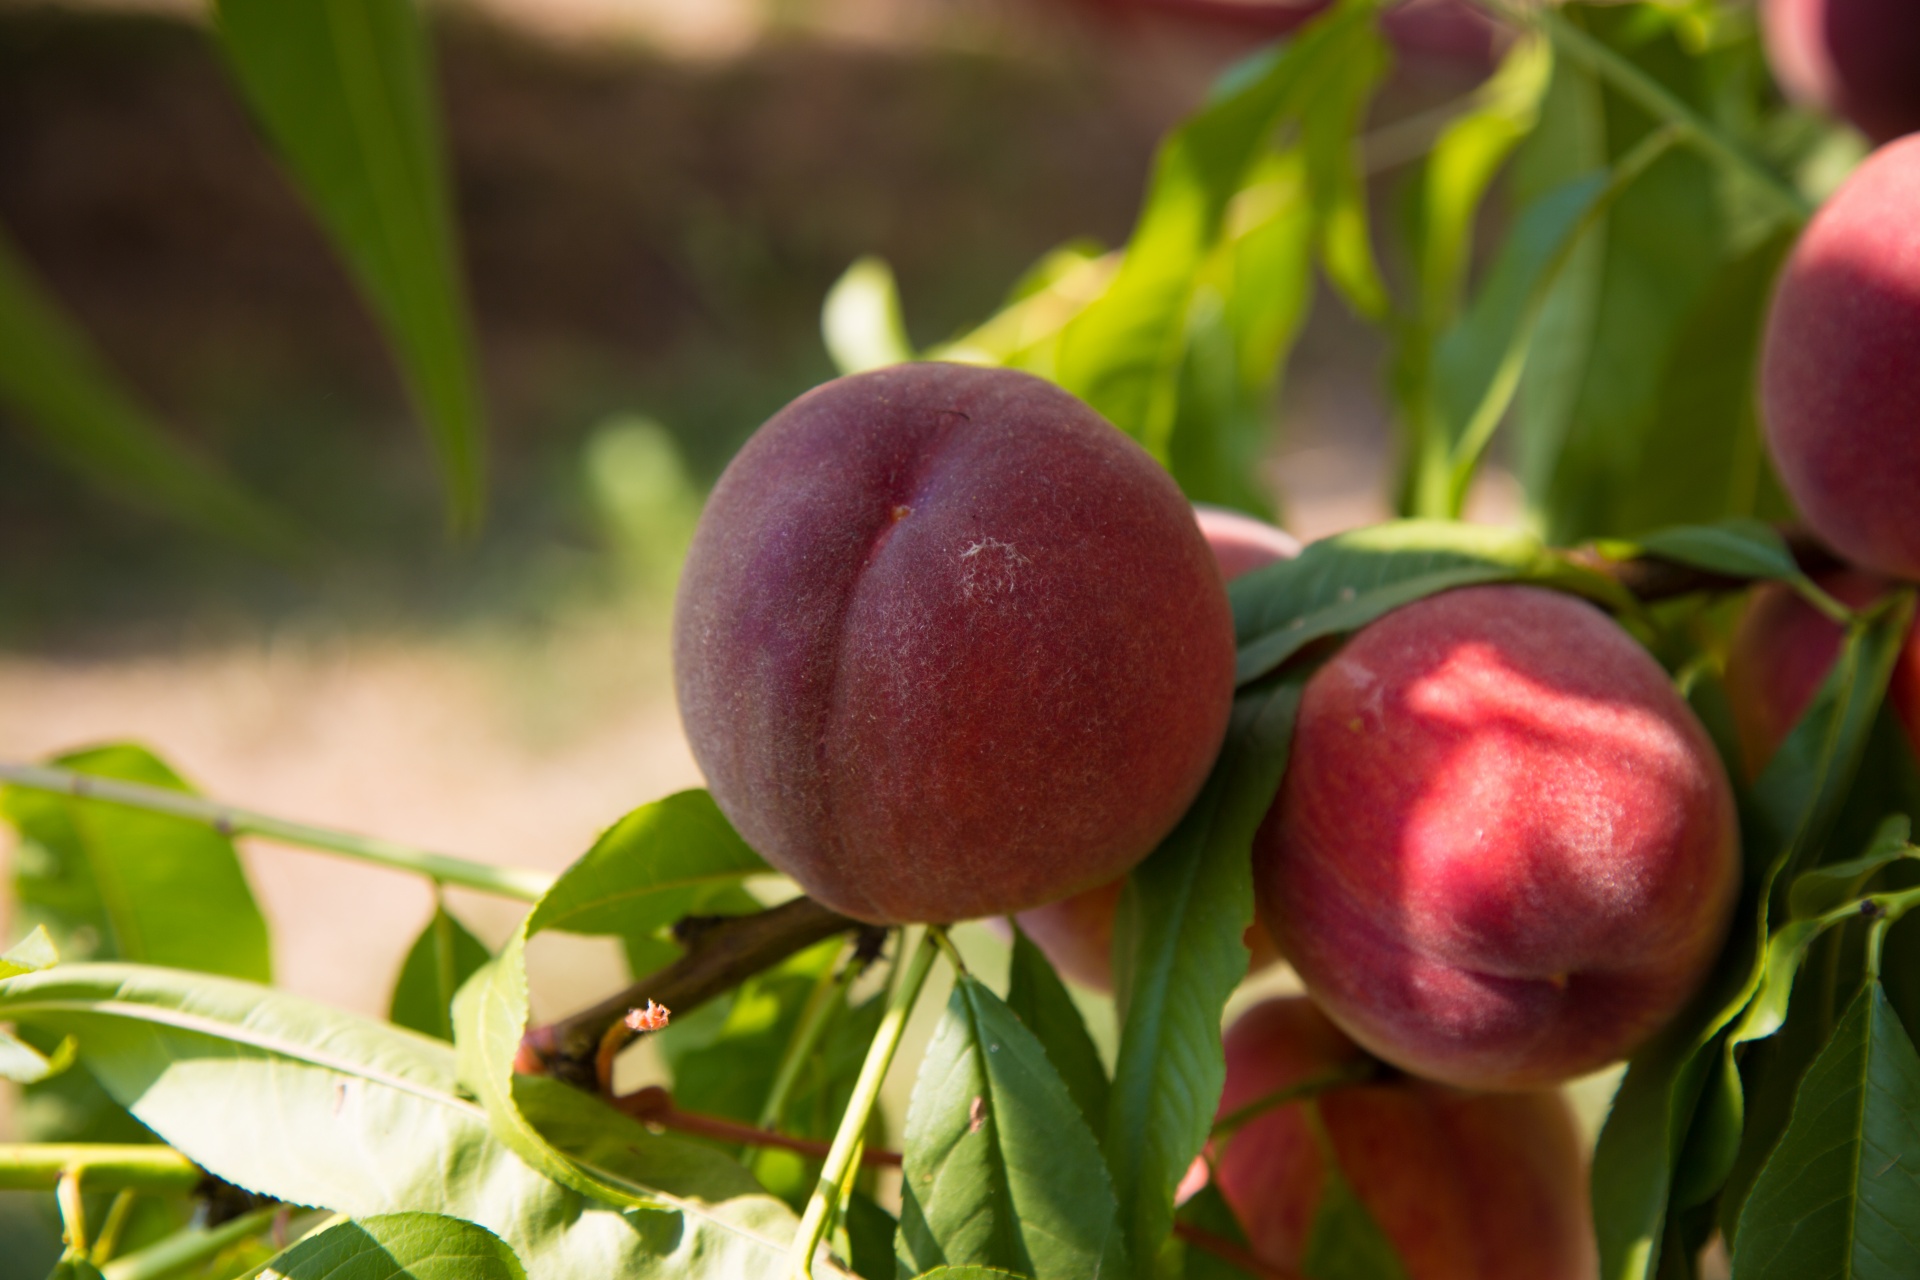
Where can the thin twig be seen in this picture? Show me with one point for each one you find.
(506, 882)
(654, 1105)
(1229, 1252)
(721, 953)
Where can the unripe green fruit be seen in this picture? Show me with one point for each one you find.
(949, 645)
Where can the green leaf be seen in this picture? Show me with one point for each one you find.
(968, 1273)
(861, 320)
(1823, 889)
(1589, 401)
(115, 882)
(1249, 301)
(1178, 955)
(1123, 353)
(1478, 363)
(1346, 1243)
(309, 1105)
(1340, 584)
(1040, 1000)
(1208, 1210)
(999, 1169)
(75, 1268)
(1738, 547)
(870, 1238)
(1840, 1196)
(654, 865)
(80, 413)
(399, 1246)
(444, 956)
(32, 954)
(1687, 1071)
(23, 1064)
(346, 91)
(1331, 116)
(1461, 166)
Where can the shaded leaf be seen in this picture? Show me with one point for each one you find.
(1178, 956)
(999, 1169)
(1346, 1243)
(345, 90)
(1340, 584)
(870, 1243)
(1840, 1195)
(1040, 1000)
(1739, 548)
(400, 1246)
(1687, 1071)
(444, 956)
(1822, 889)
(1123, 352)
(77, 410)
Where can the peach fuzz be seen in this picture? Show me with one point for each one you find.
(1504, 852)
(1859, 59)
(949, 645)
(1781, 654)
(1076, 933)
(1464, 1186)
(1840, 370)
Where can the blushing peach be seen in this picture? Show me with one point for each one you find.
(1839, 373)
(1859, 59)
(1781, 655)
(1076, 933)
(1464, 1186)
(948, 645)
(1504, 853)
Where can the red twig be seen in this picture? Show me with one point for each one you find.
(1229, 1252)
(654, 1105)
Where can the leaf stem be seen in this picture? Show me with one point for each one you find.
(109, 1167)
(822, 1002)
(73, 1212)
(1230, 1253)
(118, 1212)
(1658, 100)
(189, 1248)
(1355, 1073)
(866, 1091)
(506, 882)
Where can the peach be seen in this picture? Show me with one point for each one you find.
(1839, 378)
(1504, 852)
(1781, 654)
(949, 645)
(1464, 1186)
(1076, 933)
(1859, 59)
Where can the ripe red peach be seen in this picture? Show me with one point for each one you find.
(1839, 378)
(949, 645)
(1859, 59)
(1465, 1186)
(1076, 933)
(1781, 655)
(1504, 852)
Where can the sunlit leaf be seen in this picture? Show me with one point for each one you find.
(400, 1246)
(1000, 1170)
(861, 320)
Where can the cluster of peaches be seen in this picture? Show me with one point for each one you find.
(949, 646)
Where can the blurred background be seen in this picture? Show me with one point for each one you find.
(654, 198)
